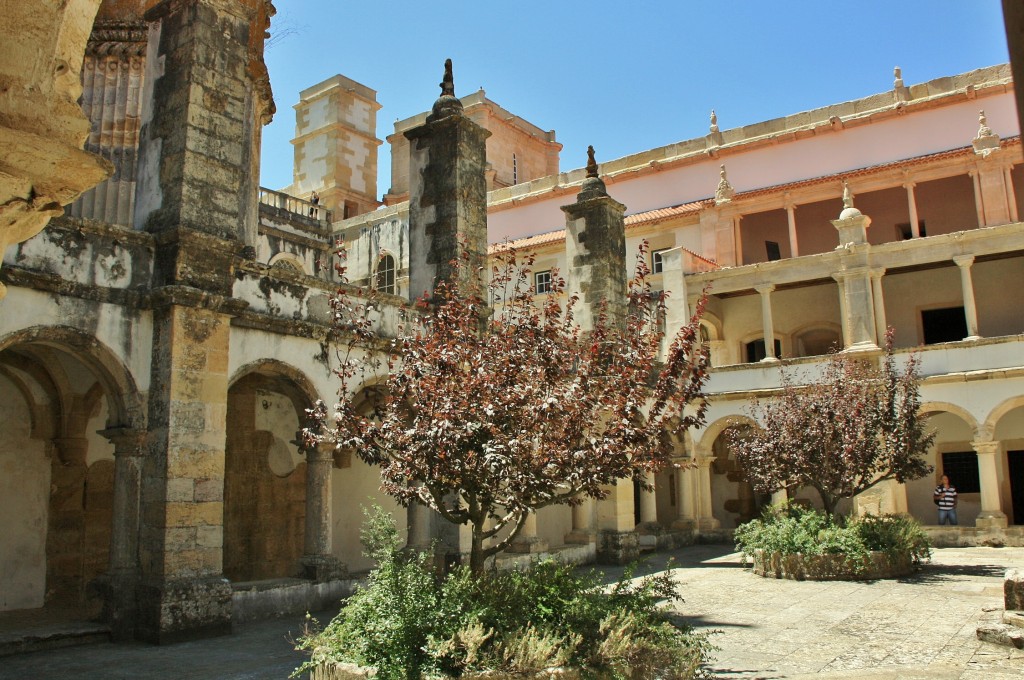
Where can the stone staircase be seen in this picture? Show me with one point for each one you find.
(1011, 631)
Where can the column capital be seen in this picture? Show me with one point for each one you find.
(963, 260)
(909, 185)
(986, 448)
(877, 273)
(764, 288)
(127, 441)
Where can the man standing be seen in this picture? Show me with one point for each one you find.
(945, 498)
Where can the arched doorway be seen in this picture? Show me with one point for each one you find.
(59, 389)
(733, 499)
(1008, 430)
(951, 453)
(265, 473)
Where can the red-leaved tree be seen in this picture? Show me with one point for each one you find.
(855, 426)
(491, 405)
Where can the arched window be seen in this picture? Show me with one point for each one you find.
(385, 279)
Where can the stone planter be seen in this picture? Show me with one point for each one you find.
(799, 567)
(348, 671)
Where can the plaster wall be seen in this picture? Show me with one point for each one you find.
(925, 132)
(25, 488)
(553, 523)
(354, 489)
(992, 280)
(946, 205)
(952, 435)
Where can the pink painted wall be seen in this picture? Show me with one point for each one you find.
(940, 129)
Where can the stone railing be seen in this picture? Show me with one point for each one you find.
(295, 206)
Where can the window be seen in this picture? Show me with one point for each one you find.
(515, 170)
(349, 209)
(943, 325)
(657, 264)
(756, 350)
(385, 279)
(772, 251)
(962, 469)
(903, 232)
(542, 282)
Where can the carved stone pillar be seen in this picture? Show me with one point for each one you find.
(649, 503)
(318, 563)
(964, 262)
(979, 203)
(119, 587)
(767, 324)
(991, 515)
(686, 498)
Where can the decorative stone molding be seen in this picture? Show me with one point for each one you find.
(986, 142)
(724, 192)
(42, 127)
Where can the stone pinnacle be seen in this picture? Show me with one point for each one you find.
(591, 163)
(448, 82)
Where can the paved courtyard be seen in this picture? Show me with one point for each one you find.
(920, 628)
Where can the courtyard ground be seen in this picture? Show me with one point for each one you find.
(918, 628)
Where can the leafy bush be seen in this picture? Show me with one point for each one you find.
(790, 529)
(407, 623)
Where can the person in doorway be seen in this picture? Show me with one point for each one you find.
(945, 498)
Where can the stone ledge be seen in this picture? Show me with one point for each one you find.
(274, 598)
(1002, 634)
(800, 567)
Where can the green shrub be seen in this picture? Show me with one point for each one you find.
(407, 623)
(790, 529)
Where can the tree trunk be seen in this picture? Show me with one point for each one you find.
(477, 556)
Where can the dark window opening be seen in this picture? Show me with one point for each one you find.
(672, 488)
(962, 469)
(904, 233)
(515, 170)
(756, 350)
(349, 209)
(772, 250)
(943, 325)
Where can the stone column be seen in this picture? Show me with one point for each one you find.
(767, 325)
(618, 542)
(649, 502)
(780, 496)
(318, 563)
(705, 514)
(964, 262)
(844, 316)
(419, 528)
(991, 515)
(527, 541)
(447, 195)
(582, 523)
(686, 497)
(979, 203)
(915, 227)
(122, 577)
(794, 245)
(855, 276)
(878, 300)
(1011, 195)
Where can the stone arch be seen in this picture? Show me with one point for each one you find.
(733, 500)
(126, 405)
(712, 324)
(812, 336)
(288, 260)
(932, 407)
(265, 471)
(988, 428)
(61, 468)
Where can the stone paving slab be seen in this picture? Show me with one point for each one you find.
(917, 628)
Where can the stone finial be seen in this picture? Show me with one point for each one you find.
(848, 209)
(714, 122)
(897, 75)
(591, 162)
(986, 142)
(592, 186)
(448, 81)
(724, 192)
(447, 104)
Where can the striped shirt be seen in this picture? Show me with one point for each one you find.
(946, 496)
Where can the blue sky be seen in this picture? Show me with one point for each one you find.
(624, 76)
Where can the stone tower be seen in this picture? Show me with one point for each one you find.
(336, 146)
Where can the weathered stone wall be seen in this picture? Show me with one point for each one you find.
(264, 484)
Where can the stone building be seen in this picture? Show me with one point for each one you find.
(162, 337)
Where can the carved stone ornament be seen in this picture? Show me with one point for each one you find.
(986, 142)
(724, 192)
